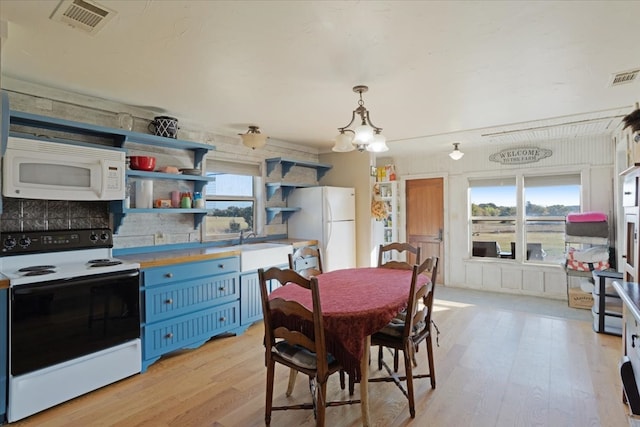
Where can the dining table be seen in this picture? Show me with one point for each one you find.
(355, 303)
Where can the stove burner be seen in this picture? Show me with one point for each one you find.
(99, 260)
(39, 272)
(35, 268)
(104, 263)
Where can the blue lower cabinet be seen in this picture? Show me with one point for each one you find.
(250, 299)
(4, 339)
(187, 304)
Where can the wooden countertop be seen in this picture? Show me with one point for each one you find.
(630, 294)
(158, 259)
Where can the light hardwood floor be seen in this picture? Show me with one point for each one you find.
(495, 366)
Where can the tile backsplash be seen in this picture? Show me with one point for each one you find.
(42, 215)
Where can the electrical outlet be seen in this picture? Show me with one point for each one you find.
(161, 238)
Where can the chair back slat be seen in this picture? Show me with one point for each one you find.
(397, 247)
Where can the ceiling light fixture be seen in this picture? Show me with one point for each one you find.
(253, 138)
(456, 154)
(365, 136)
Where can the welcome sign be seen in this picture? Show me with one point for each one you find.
(519, 156)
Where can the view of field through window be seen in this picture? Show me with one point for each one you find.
(546, 203)
(230, 201)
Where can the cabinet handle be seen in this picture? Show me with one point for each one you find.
(221, 288)
(220, 265)
(223, 319)
(168, 275)
(169, 335)
(627, 193)
(169, 301)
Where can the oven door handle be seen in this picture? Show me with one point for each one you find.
(73, 281)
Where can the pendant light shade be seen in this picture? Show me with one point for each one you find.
(253, 138)
(456, 154)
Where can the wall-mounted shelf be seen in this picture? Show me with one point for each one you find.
(118, 138)
(286, 213)
(287, 164)
(286, 188)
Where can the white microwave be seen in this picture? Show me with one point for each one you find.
(34, 169)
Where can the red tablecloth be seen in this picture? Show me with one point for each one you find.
(355, 303)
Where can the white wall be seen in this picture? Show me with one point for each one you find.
(594, 157)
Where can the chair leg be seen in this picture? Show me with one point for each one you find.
(292, 381)
(380, 357)
(408, 366)
(352, 386)
(269, 397)
(432, 369)
(322, 403)
(341, 379)
(395, 360)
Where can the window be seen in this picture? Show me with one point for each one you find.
(548, 200)
(493, 216)
(230, 199)
(503, 224)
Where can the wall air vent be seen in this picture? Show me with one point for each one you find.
(624, 77)
(85, 15)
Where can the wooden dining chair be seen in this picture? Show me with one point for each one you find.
(293, 348)
(406, 334)
(386, 255)
(307, 262)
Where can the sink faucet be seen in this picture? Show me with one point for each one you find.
(249, 234)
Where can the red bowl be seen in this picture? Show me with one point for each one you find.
(142, 163)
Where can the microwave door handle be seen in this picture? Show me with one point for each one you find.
(103, 181)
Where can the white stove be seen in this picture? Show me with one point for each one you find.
(68, 295)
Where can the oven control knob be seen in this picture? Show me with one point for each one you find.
(104, 236)
(24, 242)
(10, 242)
(93, 237)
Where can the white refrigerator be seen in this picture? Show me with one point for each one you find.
(328, 215)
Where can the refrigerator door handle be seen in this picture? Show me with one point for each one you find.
(330, 222)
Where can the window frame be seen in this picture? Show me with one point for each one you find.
(521, 219)
(230, 167)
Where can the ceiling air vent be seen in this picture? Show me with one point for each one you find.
(624, 77)
(85, 15)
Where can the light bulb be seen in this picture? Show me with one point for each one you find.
(378, 144)
(363, 134)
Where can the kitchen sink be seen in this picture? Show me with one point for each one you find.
(259, 255)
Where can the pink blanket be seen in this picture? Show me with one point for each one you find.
(587, 217)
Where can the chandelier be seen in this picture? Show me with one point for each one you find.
(253, 138)
(364, 136)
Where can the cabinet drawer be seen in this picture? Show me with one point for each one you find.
(189, 330)
(163, 302)
(174, 273)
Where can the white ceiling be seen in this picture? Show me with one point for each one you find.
(437, 72)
